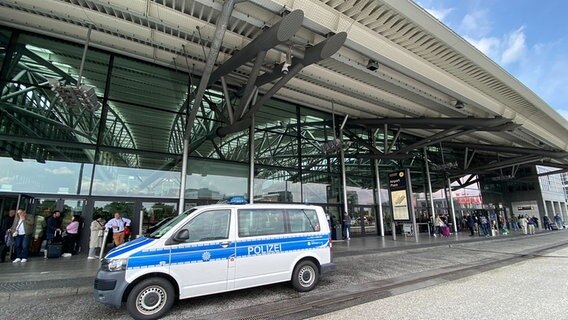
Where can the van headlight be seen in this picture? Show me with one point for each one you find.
(114, 264)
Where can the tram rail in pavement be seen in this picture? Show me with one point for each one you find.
(44, 278)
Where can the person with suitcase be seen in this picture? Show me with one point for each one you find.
(54, 247)
(54, 241)
(53, 225)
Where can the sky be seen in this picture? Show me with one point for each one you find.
(528, 38)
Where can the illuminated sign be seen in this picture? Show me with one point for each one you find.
(400, 195)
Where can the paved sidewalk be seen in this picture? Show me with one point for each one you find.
(50, 278)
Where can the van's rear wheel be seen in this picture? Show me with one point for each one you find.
(150, 299)
(305, 276)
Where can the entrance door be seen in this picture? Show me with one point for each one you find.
(363, 220)
(335, 220)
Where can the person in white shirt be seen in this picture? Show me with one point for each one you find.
(117, 224)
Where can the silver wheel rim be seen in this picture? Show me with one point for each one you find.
(151, 300)
(306, 276)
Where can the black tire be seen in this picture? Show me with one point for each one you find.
(150, 299)
(305, 276)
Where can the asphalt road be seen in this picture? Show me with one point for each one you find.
(509, 292)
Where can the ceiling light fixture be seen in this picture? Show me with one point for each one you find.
(79, 96)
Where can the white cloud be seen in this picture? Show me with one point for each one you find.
(439, 14)
(544, 71)
(476, 24)
(60, 171)
(489, 46)
(515, 47)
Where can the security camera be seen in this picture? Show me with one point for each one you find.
(285, 67)
(459, 105)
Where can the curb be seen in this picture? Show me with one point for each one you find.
(23, 295)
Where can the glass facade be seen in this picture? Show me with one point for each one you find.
(126, 154)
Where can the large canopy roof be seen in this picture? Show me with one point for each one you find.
(398, 68)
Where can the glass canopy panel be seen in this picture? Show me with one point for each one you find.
(277, 185)
(40, 124)
(277, 116)
(145, 84)
(276, 149)
(156, 176)
(360, 191)
(46, 58)
(317, 188)
(58, 177)
(216, 180)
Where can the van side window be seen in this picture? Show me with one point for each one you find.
(209, 225)
(303, 220)
(259, 222)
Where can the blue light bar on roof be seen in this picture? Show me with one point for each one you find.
(237, 200)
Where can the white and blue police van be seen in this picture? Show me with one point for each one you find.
(217, 248)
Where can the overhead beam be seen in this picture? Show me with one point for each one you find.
(282, 31)
(508, 163)
(430, 123)
(506, 149)
(321, 51)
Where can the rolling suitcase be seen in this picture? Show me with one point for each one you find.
(54, 250)
(445, 231)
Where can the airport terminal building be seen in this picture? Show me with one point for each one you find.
(151, 107)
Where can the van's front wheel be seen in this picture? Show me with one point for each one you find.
(150, 299)
(305, 276)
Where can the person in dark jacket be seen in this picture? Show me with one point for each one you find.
(53, 225)
(5, 224)
(470, 223)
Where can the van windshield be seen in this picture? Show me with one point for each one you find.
(170, 224)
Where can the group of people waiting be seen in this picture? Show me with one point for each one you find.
(17, 228)
(524, 223)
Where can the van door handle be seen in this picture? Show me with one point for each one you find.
(225, 244)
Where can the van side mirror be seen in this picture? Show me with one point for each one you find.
(182, 235)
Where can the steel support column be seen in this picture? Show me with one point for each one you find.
(251, 162)
(378, 183)
(211, 59)
(343, 176)
(451, 205)
(430, 198)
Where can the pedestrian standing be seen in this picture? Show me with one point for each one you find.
(484, 225)
(558, 221)
(523, 221)
(531, 222)
(5, 224)
(470, 223)
(53, 225)
(346, 226)
(96, 240)
(118, 224)
(546, 223)
(22, 230)
(72, 237)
